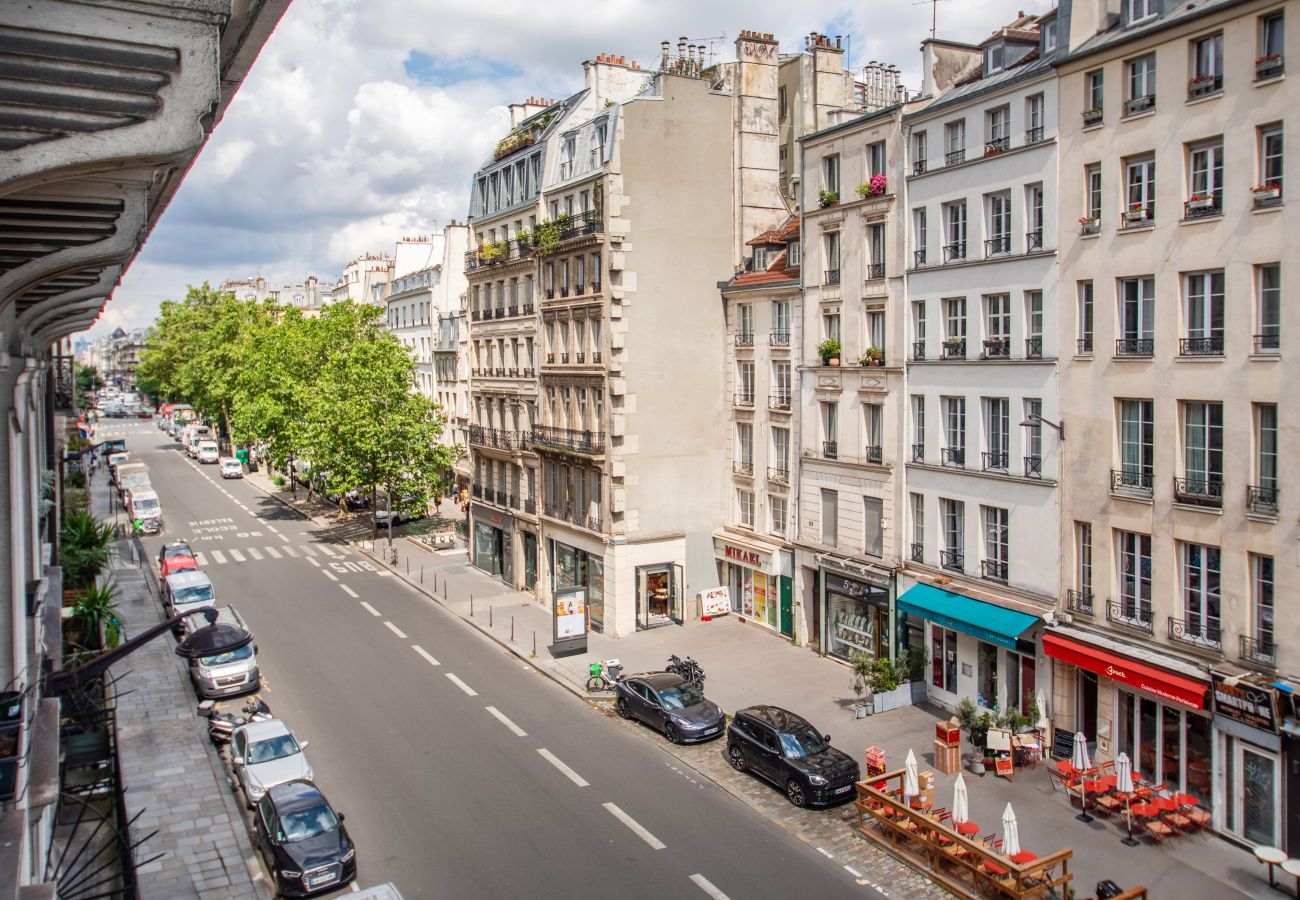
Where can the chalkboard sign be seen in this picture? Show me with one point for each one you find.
(1062, 744)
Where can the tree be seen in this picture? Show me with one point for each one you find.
(277, 368)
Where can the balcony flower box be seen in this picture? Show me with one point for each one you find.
(1089, 225)
(1135, 213)
(873, 188)
(1092, 116)
(1268, 65)
(828, 198)
(1265, 192)
(1200, 201)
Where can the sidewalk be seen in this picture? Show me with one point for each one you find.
(746, 664)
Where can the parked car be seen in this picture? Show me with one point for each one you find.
(143, 504)
(116, 459)
(224, 674)
(175, 556)
(303, 840)
(264, 754)
(231, 467)
(406, 508)
(184, 591)
(786, 750)
(669, 704)
(206, 452)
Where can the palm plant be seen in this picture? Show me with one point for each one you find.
(95, 613)
(86, 546)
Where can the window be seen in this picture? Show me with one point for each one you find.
(997, 326)
(745, 383)
(1202, 451)
(1265, 493)
(1033, 324)
(875, 159)
(955, 226)
(999, 207)
(920, 234)
(777, 506)
(831, 325)
(1092, 191)
(920, 152)
(1133, 552)
(873, 526)
(830, 516)
(1270, 60)
(1268, 314)
(994, 58)
(760, 260)
(956, 141)
(1034, 213)
(830, 427)
(781, 322)
(832, 240)
(1034, 117)
(872, 420)
(1094, 96)
(997, 439)
(1201, 599)
(1270, 156)
(1141, 84)
(917, 503)
(795, 257)
(1205, 179)
(831, 173)
(1136, 445)
(781, 451)
(1207, 65)
(876, 251)
(745, 446)
(1049, 36)
(918, 427)
(1083, 291)
(1137, 317)
(1083, 558)
(954, 430)
(1033, 437)
(918, 328)
(781, 384)
(1261, 602)
(1140, 9)
(954, 327)
(1140, 178)
(953, 555)
(996, 535)
(999, 129)
(745, 508)
(876, 329)
(745, 323)
(943, 658)
(1203, 314)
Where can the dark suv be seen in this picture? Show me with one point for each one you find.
(790, 753)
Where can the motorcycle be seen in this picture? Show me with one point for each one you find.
(686, 669)
(222, 724)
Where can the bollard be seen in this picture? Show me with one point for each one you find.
(491, 609)
(408, 565)
(512, 629)
(471, 602)
(534, 643)
(421, 574)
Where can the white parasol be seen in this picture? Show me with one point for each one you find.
(910, 785)
(1080, 759)
(960, 803)
(1123, 774)
(1010, 832)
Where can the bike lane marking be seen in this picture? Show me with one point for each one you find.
(708, 887)
(425, 653)
(370, 609)
(395, 630)
(351, 593)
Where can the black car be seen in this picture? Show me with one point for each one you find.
(303, 840)
(668, 703)
(792, 754)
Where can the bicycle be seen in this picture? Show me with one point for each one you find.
(598, 681)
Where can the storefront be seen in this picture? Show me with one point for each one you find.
(493, 535)
(757, 578)
(573, 567)
(658, 595)
(978, 651)
(857, 613)
(1249, 787)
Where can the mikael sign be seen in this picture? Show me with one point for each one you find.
(748, 558)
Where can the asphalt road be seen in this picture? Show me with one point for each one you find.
(463, 772)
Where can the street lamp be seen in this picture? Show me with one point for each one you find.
(1033, 419)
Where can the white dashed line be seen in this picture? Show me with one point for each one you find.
(462, 685)
(425, 653)
(504, 720)
(290, 551)
(218, 557)
(272, 528)
(635, 826)
(351, 593)
(708, 887)
(325, 548)
(200, 559)
(395, 630)
(236, 556)
(252, 551)
(370, 609)
(309, 549)
(330, 575)
(272, 552)
(569, 773)
(314, 563)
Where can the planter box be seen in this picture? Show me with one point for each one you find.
(903, 695)
(1263, 196)
(1135, 215)
(1202, 203)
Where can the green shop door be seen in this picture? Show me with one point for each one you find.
(787, 607)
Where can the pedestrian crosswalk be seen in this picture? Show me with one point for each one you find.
(272, 551)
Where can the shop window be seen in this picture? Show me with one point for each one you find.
(986, 675)
(1020, 682)
(943, 659)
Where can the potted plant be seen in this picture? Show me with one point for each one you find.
(1268, 64)
(1089, 224)
(1267, 191)
(96, 616)
(829, 351)
(979, 738)
(874, 187)
(872, 356)
(1092, 116)
(85, 548)
(828, 198)
(1136, 212)
(1200, 201)
(861, 666)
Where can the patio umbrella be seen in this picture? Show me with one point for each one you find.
(1123, 774)
(1080, 758)
(910, 786)
(1010, 832)
(960, 803)
(1042, 710)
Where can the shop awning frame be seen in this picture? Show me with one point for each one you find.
(986, 621)
(1171, 686)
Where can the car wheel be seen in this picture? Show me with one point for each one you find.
(672, 734)
(736, 757)
(794, 792)
(624, 711)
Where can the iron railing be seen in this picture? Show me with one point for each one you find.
(918, 349)
(741, 467)
(1200, 346)
(954, 252)
(918, 258)
(1203, 209)
(779, 474)
(550, 437)
(994, 570)
(875, 271)
(997, 245)
(1034, 135)
(832, 276)
(830, 449)
(997, 145)
(1130, 481)
(954, 348)
(918, 453)
(1033, 467)
(952, 559)
(1204, 85)
(1033, 348)
(1083, 346)
(1133, 613)
(1135, 347)
(745, 398)
(1268, 343)
(954, 457)
(1261, 650)
(917, 553)
(997, 348)
(779, 402)
(779, 338)
(874, 455)
(919, 167)
(1262, 500)
(1079, 601)
(745, 339)
(1202, 632)
(1139, 104)
(994, 461)
(954, 157)
(1033, 240)
(1199, 491)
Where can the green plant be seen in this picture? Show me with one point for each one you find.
(861, 665)
(883, 677)
(966, 713)
(278, 481)
(75, 500)
(85, 548)
(828, 198)
(829, 349)
(1034, 713)
(96, 613)
(75, 480)
(871, 355)
(979, 732)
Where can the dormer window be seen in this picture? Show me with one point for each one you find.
(1140, 10)
(1049, 36)
(792, 261)
(994, 59)
(760, 259)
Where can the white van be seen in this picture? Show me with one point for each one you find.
(207, 451)
(185, 591)
(196, 433)
(142, 503)
(225, 674)
(130, 475)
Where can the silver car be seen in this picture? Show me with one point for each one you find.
(264, 754)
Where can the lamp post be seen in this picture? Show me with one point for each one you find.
(1033, 419)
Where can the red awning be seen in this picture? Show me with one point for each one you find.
(1167, 685)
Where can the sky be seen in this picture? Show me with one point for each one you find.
(362, 121)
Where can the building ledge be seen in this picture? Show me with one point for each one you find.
(43, 780)
(980, 473)
(992, 261)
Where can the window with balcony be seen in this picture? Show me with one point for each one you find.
(781, 323)
(917, 505)
(999, 224)
(780, 469)
(1033, 324)
(918, 428)
(1090, 221)
(830, 419)
(997, 326)
(954, 249)
(831, 325)
(996, 560)
(1034, 218)
(832, 247)
(873, 426)
(1137, 301)
(1035, 119)
(1141, 86)
(1136, 447)
(1080, 599)
(744, 508)
(1261, 496)
(781, 386)
(920, 152)
(918, 329)
(776, 505)
(1084, 317)
(1203, 313)
(875, 252)
(1269, 190)
(1033, 438)
(830, 517)
(745, 325)
(1260, 645)
(954, 431)
(745, 383)
(953, 514)
(1270, 60)
(955, 140)
(1140, 194)
(998, 124)
(745, 448)
(920, 236)
(1206, 66)
(1202, 481)
(1094, 97)
(831, 173)
(997, 437)
(1204, 180)
(954, 328)
(1201, 598)
(1133, 568)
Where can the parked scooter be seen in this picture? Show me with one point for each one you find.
(222, 724)
(687, 669)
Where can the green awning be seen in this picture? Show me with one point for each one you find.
(986, 621)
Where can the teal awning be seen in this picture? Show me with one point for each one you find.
(986, 621)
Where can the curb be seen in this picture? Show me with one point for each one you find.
(285, 503)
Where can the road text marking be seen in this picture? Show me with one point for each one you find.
(708, 887)
(395, 630)
(425, 653)
(504, 720)
(370, 609)
(555, 761)
(635, 826)
(462, 685)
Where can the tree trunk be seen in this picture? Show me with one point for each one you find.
(230, 432)
(374, 520)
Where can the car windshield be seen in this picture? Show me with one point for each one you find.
(308, 823)
(278, 747)
(195, 595)
(222, 658)
(176, 550)
(681, 697)
(145, 505)
(801, 742)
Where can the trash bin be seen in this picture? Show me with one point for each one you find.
(242, 455)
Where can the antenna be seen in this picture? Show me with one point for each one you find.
(934, 14)
(713, 53)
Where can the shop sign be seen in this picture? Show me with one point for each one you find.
(715, 601)
(749, 558)
(492, 517)
(1249, 704)
(865, 573)
(855, 589)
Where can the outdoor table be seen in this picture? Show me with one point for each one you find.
(1165, 804)
(967, 829)
(1292, 867)
(1145, 810)
(1024, 856)
(1271, 855)
(1108, 781)
(1185, 799)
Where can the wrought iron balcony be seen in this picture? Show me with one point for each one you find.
(580, 358)
(596, 358)
(595, 287)
(1268, 343)
(780, 475)
(1200, 346)
(998, 245)
(832, 276)
(1200, 491)
(1260, 651)
(875, 271)
(1033, 467)
(1262, 500)
(954, 348)
(874, 455)
(918, 258)
(1204, 208)
(919, 167)
(547, 437)
(501, 497)
(954, 457)
(550, 293)
(1033, 241)
(1135, 347)
(997, 348)
(994, 461)
(954, 252)
(528, 308)
(579, 289)
(564, 359)
(550, 359)
(741, 467)
(1204, 85)
(1200, 631)
(530, 505)
(830, 449)
(779, 338)
(1135, 105)
(476, 491)
(954, 157)
(918, 453)
(1034, 135)
(994, 570)
(1131, 481)
(917, 552)
(529, 373)
(744, 339)
(1132, 613)
(564, 290)
(780, 402)
(997, 145)
(952, 559)
(918, 349)
(1083, 346)
(1079, 601)
(1034, 348)
(745, 398)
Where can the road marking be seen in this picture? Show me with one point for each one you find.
(272, 528)
(330, 575)
(635, 826)
(370, 609)
(236, 556)
(504, 720)
(314, 563)
(824, 852)
(852, 871)
(555, 761)
(289, 550)
(218, 557)
(351, 593)
(462, 685)
(273, 553)
(252, 551)
(324, 548)
(395, 630)
(200, 559)
(708, 887)
(308, 549)
(425, 653)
